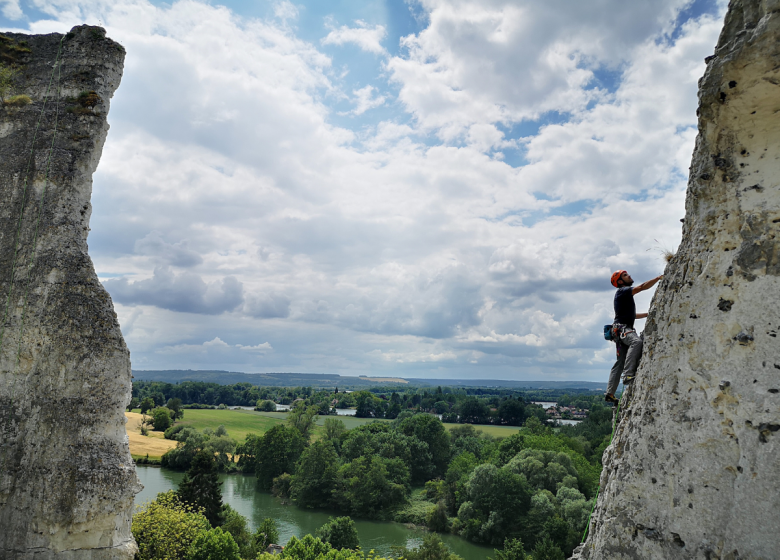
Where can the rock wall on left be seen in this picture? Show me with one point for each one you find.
(67, 480)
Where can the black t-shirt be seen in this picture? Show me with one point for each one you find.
(625, 308)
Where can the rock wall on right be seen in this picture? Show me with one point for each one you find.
(694, 467)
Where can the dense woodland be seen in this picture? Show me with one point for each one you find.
(534, 487)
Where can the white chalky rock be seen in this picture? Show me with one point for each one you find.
(694, 468)
(67, 480)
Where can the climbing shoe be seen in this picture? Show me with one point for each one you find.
(611, 399)
(628, 380)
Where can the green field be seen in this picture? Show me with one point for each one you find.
(495, 431)
(239, 423)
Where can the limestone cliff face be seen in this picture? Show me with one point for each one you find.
(67, 480)
(694, 468)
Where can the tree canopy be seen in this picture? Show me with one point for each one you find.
(201, 487)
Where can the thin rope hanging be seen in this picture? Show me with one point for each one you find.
(57, 67)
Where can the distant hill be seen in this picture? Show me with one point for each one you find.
(587, 385)
(267, 379)
(335, 380)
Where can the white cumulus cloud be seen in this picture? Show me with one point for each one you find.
(364, 36)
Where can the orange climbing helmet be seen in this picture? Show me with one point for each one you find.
(616, 276)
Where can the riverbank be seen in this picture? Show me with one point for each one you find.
(241, 492)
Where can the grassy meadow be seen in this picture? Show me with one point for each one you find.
(239, 423)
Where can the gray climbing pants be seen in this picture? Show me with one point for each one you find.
(629, 351)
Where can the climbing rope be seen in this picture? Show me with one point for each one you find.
(58, 68)
(614, 425)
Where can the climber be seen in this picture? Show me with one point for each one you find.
(628, 343)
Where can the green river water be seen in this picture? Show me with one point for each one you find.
(242, 494)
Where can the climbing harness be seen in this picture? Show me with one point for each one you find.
(58, 68)
(614, 425)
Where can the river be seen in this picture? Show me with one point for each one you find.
(240, 491)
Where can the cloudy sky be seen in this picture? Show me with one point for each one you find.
(422, 188)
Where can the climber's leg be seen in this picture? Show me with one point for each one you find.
(634, 343)
(617, 369)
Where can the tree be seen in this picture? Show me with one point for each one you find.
(547, 550)
(303, 419)
(366, 405)
(276, 453)
(561, 534)
(174, 405)
(246, 453)
(334, 430)
(147, 404)
(339, 533)
(134, 403)
(441, 407)
(499, 499)
(513, 550)
(201, 487)
(436, 520)
(381, 439)
(316, 476)
(511, 411)
(473, 411)
(534, 425)
(373, 486)
(165, 528)
(430, 430)
(221, 446)
(236, 525)
(161, 419)
(542, 510)
(190, 442)
(457, 478)
(266, 406)
(215, 544)
(267, 533)
(544, 469)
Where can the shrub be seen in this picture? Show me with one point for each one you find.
(281, 486)
(171, 432)
(547, 550)
(266, 406)
(7, 77)
(432, 548)
(88, 99)
(18, 101)
(165, 528)
(161, 419)
(236, 525)
(513, 550)
(215, 544)
(266, 534)
(339, 533)
(416, 511)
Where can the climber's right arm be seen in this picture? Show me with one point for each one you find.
(646, 285)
